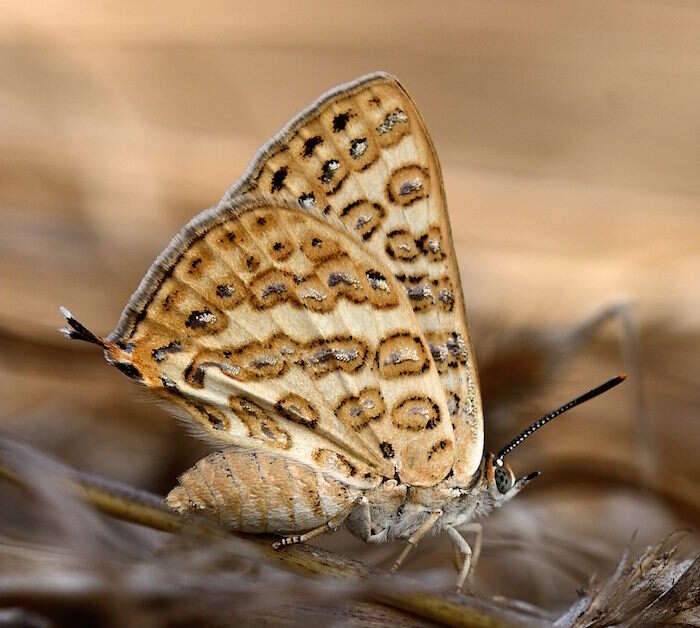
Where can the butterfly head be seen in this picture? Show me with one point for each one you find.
(499, 479)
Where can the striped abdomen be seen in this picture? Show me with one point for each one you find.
(258, 493)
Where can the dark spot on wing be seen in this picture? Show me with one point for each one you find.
(161, 353)
(358, 147)
(375, 275)
(224, 290)
(307, 200)
(215, 421)
(170, 385)
(252, 263)
(440, 446)
(129, 370)
(340, 122)
(199, 319)
(311, 144)
(387, 449)
(194, 375)
(329, 170)
(277, 182)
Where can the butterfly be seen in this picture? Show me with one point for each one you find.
(312, 326)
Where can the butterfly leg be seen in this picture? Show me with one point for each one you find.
(477, 530)
(466, 551)
(466, 557)
(331, 525)
(415, 538)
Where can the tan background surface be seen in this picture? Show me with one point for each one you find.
(569, 135)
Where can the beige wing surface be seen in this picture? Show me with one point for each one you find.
(361, 159)
(277, 332)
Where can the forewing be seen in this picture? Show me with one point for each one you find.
(361, 159)
(278, 332)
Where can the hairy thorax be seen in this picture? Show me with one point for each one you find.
(398, 510)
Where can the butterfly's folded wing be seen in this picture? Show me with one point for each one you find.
(361, 159)
(278, 332)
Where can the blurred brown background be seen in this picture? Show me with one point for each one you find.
(569, 134)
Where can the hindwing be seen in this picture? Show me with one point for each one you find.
(277, 332)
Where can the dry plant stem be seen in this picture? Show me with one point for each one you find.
(148, 510)
(119, 502)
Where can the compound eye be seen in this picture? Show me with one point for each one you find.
(503, 479)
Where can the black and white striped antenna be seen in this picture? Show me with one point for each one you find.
(542, 421)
